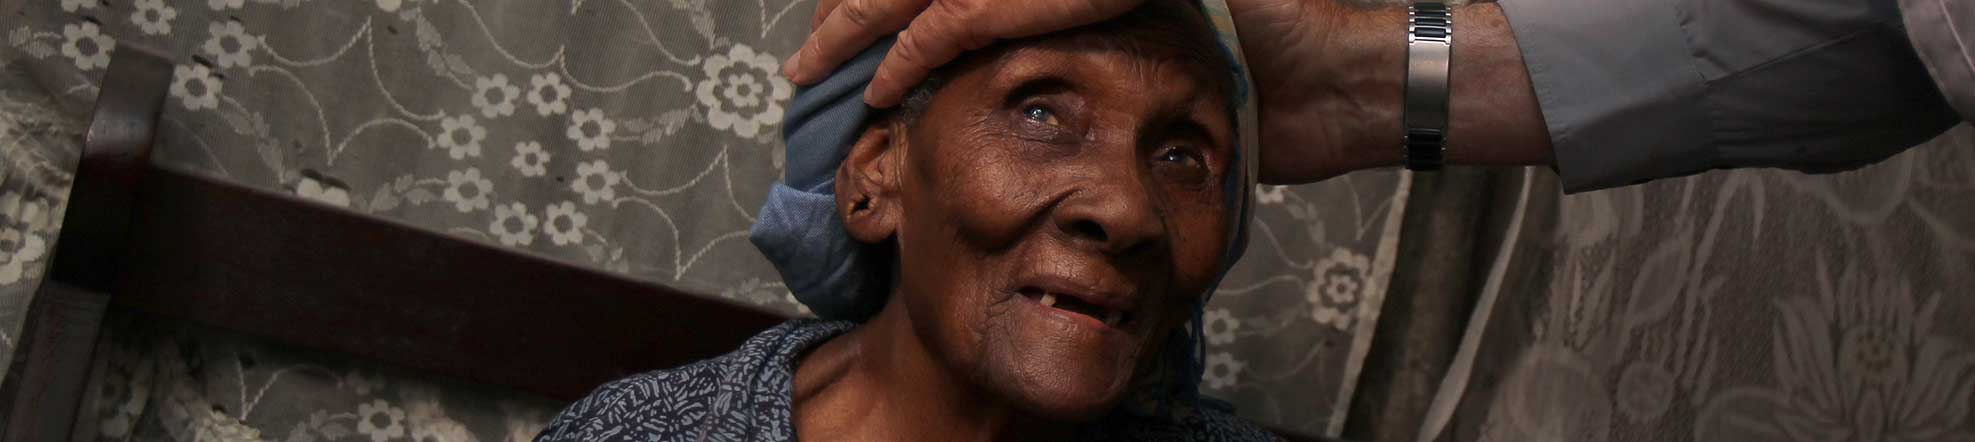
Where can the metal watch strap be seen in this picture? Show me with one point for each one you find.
(1429, 49)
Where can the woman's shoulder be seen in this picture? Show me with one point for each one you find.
(745, 392)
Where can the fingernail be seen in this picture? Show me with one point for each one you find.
(871, 99)
(789, 68)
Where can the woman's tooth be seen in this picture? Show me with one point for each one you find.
(1048, 300)
(1114, 318)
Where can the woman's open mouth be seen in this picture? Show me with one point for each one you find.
(1080, 304)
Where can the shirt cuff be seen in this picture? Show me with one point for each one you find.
(1618, 87)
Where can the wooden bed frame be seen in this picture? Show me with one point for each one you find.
(173, 243)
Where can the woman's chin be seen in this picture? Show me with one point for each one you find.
(1073, 401)
(1058, 379)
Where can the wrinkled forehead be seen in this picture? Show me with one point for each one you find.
(1205, 72)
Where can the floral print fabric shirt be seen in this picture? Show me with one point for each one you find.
(748, 395)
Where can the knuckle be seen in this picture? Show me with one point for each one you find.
(823, 10)
(911, 47)
(955, 29)
(963, 9)
(857, 12)
(811, 49)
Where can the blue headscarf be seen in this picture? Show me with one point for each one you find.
(839, 278)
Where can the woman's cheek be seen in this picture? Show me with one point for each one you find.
(994, 199)
(1199, 245)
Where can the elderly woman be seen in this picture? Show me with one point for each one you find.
(1015, 254)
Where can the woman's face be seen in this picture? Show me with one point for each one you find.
(1060, 209)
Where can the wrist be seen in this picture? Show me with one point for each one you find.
(1369, 68)
(1331, 89)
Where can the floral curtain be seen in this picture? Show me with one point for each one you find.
(1733, 306)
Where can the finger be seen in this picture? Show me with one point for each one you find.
(944, 31)
(823, 8)
(1039, 17)
(850, 28)
(936, 37)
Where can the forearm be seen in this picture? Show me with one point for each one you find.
(1495, 117)
(1357, 94)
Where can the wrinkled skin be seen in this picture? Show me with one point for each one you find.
(1078, 168)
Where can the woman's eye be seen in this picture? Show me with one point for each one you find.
(1040, 114)
(1181, 156)
(1181, 164)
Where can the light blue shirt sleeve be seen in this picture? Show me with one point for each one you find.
(1636, 90)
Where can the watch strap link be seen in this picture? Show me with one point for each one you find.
(1429, 50)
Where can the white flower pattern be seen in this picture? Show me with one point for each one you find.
(230, 45)
(18, 248)
(85, 43)
(1269, 194)
(441, 429)
(216, 426)
(595, 182)
(154, 16)
(195, 87)
(590, 129)
(548, 94)
(329, 193)
(467, 190)
(743, 91)
(126, 391)
(530, 159)
(1223, 371)
(380, 421)
(565, 224)
(513, 225)
(29, 214)
(494, 96)
(460, 136)
(1220, 326)
(392, 5)
(1338, 282)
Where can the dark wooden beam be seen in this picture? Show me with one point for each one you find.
(50, 366)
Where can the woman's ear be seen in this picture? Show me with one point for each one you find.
(867, 183)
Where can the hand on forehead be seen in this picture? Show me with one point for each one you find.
(930, 33)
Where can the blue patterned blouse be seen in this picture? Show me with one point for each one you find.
(747, 395)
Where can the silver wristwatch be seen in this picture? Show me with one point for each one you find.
(1429, 48)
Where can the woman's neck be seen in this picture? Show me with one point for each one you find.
(881, 381)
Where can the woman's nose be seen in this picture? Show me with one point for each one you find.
(1116, 219)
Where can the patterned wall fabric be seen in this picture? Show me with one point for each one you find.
(174, 382)
(1742, 306)
(637, 137)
